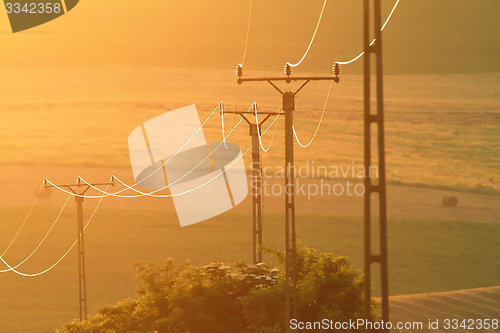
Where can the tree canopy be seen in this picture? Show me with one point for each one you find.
(220, 298)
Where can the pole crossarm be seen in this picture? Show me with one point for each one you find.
(271, 113)
(289, 79)
(79, 183)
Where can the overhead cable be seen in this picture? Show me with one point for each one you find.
(64, 255)
(22, 224)
(151, 194)
(127, 187)
(373, 41)
(312, 39)
(319, 124)
(39, 244)
(248, 32)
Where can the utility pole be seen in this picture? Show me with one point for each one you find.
(255, 129)
(82, 279)
(288, 108)
(374, 47)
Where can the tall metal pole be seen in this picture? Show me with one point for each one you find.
(82, 279)
(367, 159)
(291, 300)
(381, 162)
(378, 118)
(256, 184)
(257, 195)
(290, 246)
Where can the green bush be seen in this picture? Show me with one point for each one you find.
(218, 298)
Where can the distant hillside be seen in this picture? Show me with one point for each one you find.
(425, 36)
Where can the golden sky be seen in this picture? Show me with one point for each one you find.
(423, 36)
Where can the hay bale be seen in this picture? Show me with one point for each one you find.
(450, 200)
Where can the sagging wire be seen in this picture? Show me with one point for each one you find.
(221, 107)
(319, 124)
(248, 33)
(151, 194)
(258, 129)
(312, 39)
(373, 41)
(39, 244)
(24, 222)
(13, 269)
(331, 83)
(275, 128)
(127, 187)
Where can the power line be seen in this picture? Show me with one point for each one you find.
(275, 128)
(82, 277)
(127, 187)
(258, 128)
(178, 151)
(373, 41)
(257, 217)
(171, 157)
(141, 194)
(274, 134)
(105, 193)
(39, 244)
(312, 39)
(319, 124)
(22, 224)
(242, 63)
(151, 194)
(221, 107)
(291, 303)
(224, 137)
(235, 103)
(60, 259)
(248, 33)
(390, 15)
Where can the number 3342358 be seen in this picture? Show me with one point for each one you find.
(33, 8)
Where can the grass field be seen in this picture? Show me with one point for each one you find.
(441, 135)
(464, 310)
(73, 90)
(425, 255)
(447, 140)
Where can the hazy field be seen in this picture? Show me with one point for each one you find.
(441, 133)
(441, 130)
(426, 255)
(480, 304)
(72, 91)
